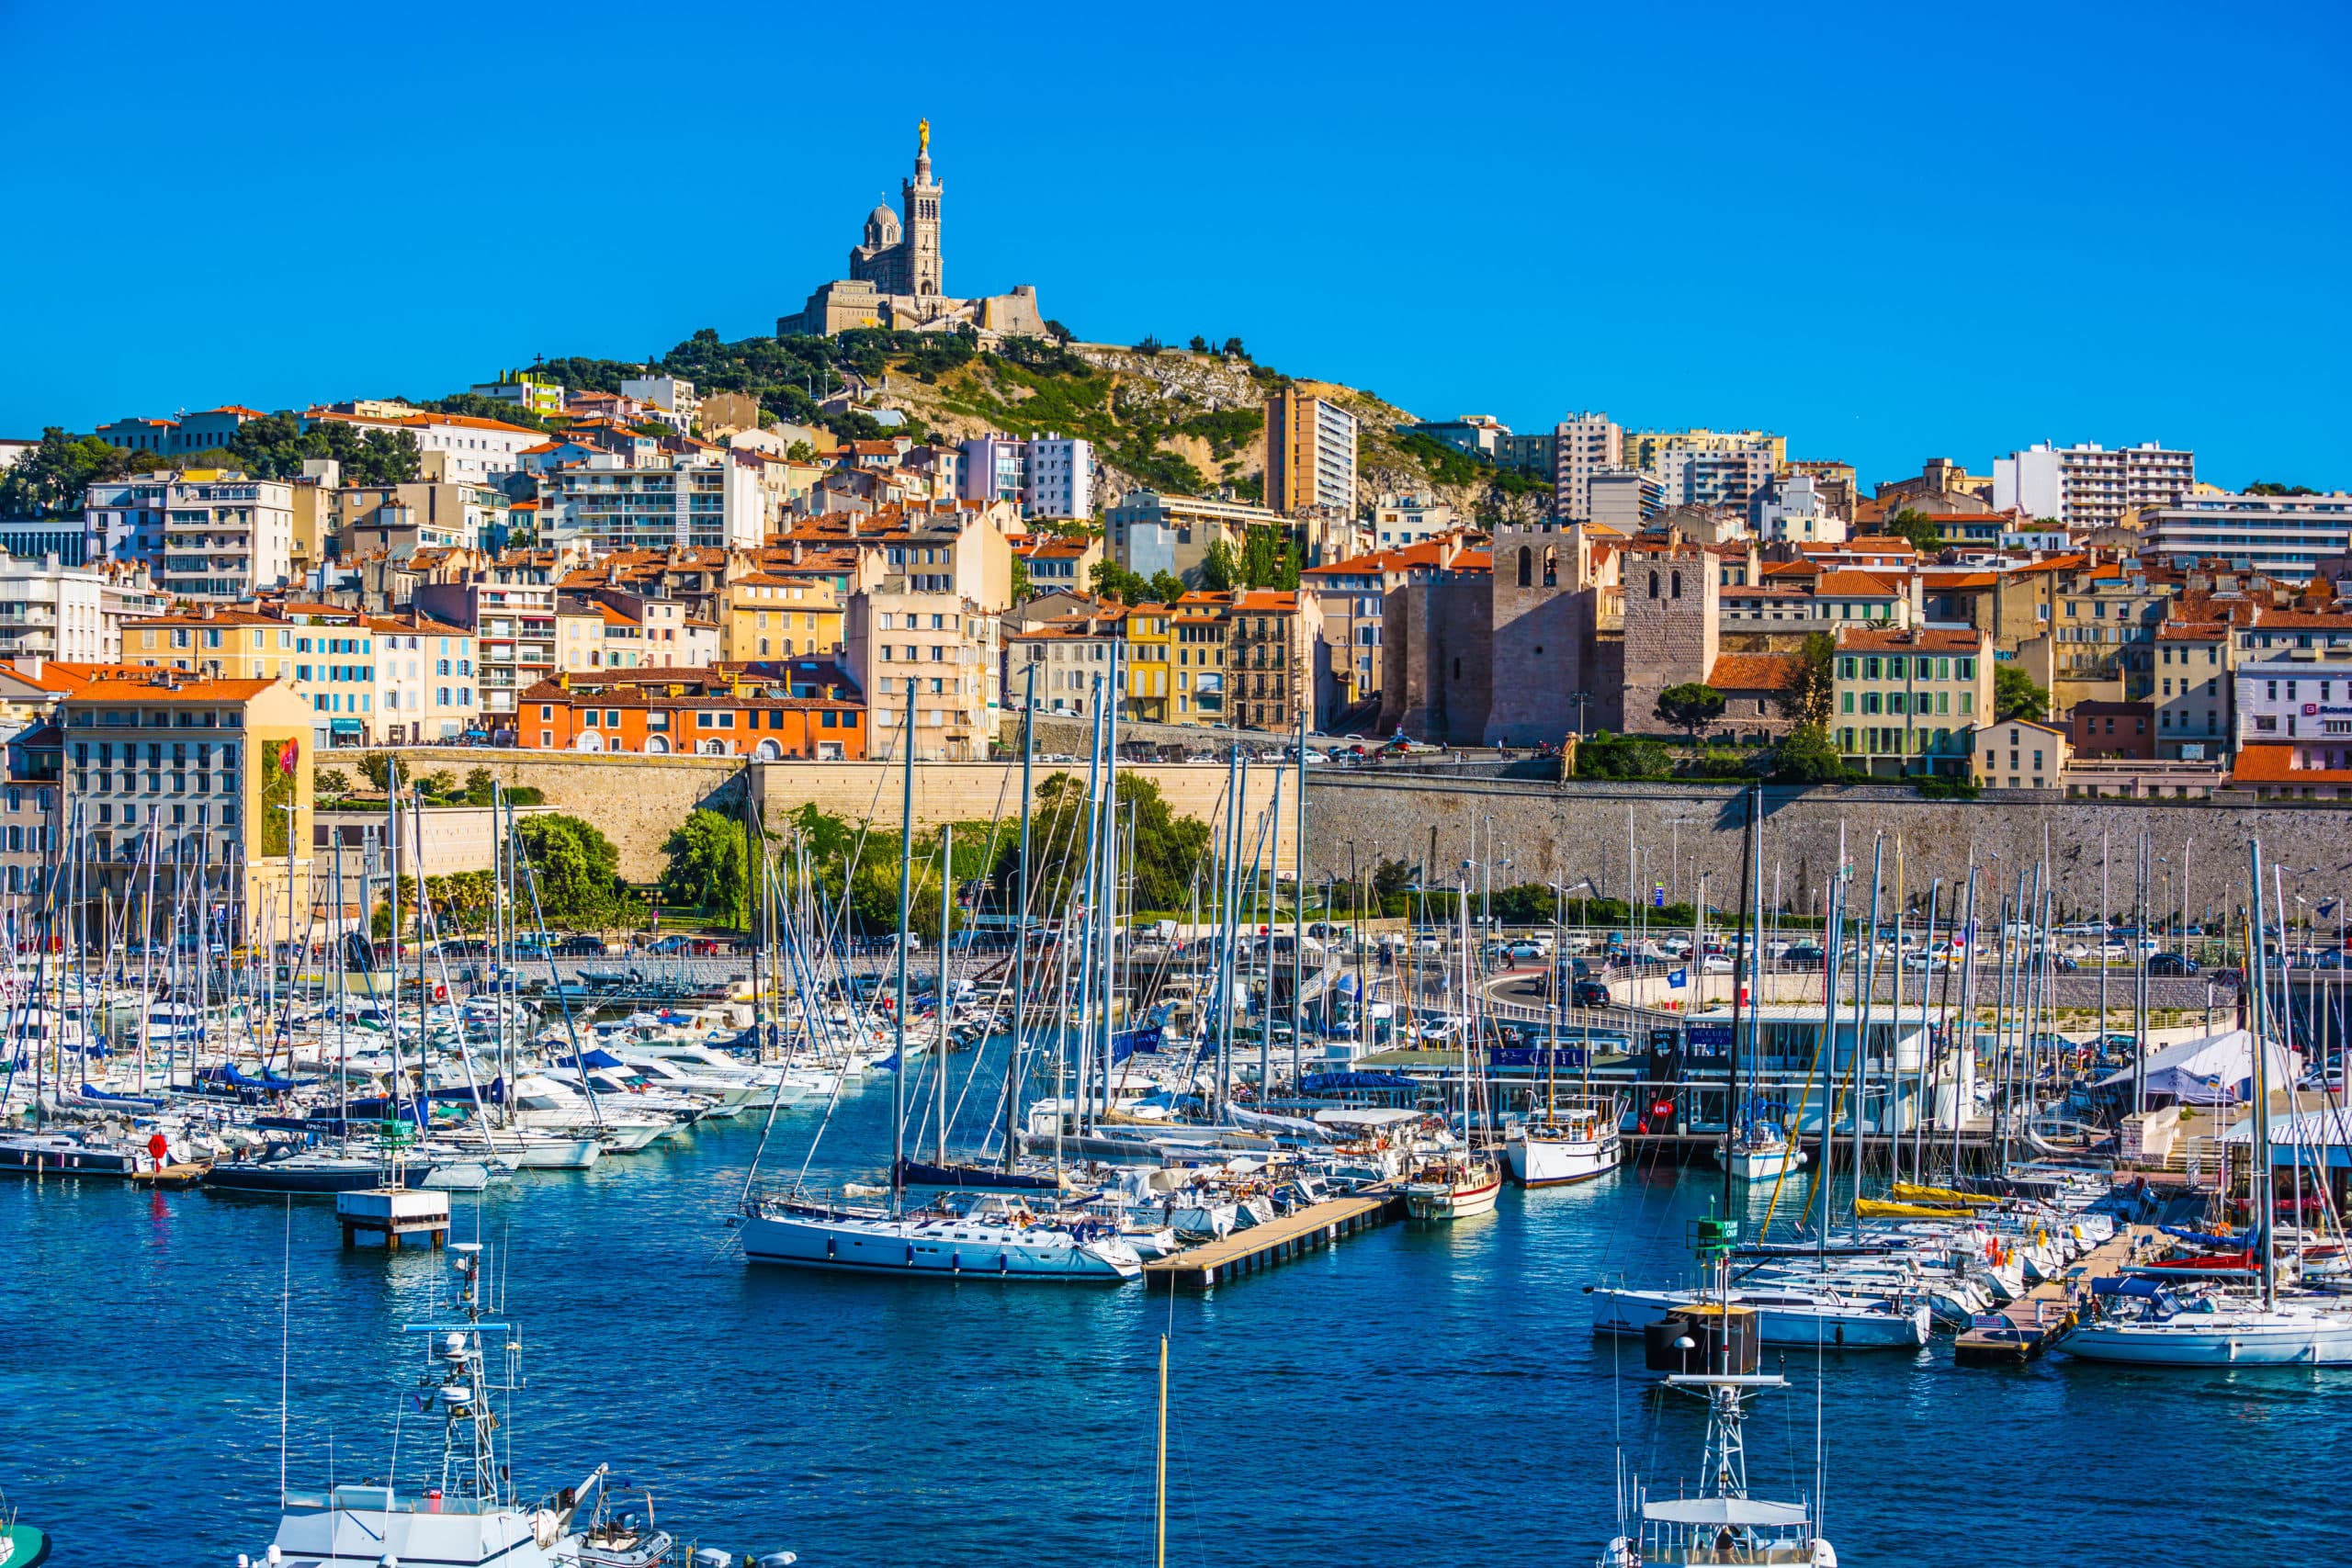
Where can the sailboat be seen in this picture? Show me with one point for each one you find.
(991, 1234)
(1461, 1181)
(1756, 1146)
(1574, 1140)
(2146, 1324)
(1723, 1524)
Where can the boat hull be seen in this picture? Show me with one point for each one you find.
(868, 1246)
(65, 1158)
(1778, 1322)
(1447, 1201)
(2261, 1342)
(1557, 1162)
(1761, 1164)
(311, 1183)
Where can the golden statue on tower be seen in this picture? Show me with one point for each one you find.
(923, 137)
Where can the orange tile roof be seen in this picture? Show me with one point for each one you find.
(1923, 639)
(2193, 631)
(1754, 671)
(2263, 763)
(154, 685)
(1843, 584)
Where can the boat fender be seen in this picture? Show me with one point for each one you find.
(1005, 1263)
(910, 1255)
(831, 1246)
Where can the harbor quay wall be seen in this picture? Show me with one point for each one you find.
(1566, 834)
(637, 801)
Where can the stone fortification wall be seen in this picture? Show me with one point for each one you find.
(637, 801)
(1565, 834)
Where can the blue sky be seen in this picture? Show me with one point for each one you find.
(1889, 233)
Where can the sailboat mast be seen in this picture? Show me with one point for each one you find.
(906, 873)
(2257, 996)
(1021, 933)
(946, 915)
(1741, 937)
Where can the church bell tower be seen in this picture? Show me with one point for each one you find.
(926, 271)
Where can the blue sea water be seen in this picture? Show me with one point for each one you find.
(1414, 1395)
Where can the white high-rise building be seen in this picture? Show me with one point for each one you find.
(2091, 487)
(201, 533)
(1583, 445)
(610, 504)
(1060, 479)
(52, 611)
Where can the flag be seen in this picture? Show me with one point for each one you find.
(1677, 979)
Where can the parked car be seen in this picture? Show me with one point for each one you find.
(1590, 994)
(2172, 963)
(1804, 956)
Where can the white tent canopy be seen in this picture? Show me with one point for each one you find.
(2212, 1069)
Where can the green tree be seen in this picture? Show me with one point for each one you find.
(1811, 695)
(1808, 756)
(330, 783)
(1607, 756)
(1220, 568)
(1111, 581)
(1270, 559)
(275, 447)
(49, 481)
(2266, 486)
(2015, 696)
(376, 767)
(1166, 589)
(709, 867)
(576, 869)
(1690, 707)
(1167, 847)
(1916, 527)
(1020, 588)
(1199, 343)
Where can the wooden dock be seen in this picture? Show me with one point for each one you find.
(2026, 1326)
(1278, 1241)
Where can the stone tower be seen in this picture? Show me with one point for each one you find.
(1543, 652)
(1673, 626)
(903, 259)
(926, 270)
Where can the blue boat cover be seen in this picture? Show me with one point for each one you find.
(2127, 1285)
(1343, 1083)
(2201, 1238)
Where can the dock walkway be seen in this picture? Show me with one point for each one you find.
(1277, 1241)
(2044, 1314)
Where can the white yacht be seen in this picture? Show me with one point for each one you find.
(1573, 1142)
(1786, 1314)
(2214, 1330)
(1762, 1152)
(988, 1237)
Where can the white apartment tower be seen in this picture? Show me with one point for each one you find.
(2091, 487)
(1583, 445)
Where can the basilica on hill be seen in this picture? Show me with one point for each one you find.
(897, 276)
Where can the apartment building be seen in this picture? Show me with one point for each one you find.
(1584, 445)
(767, 616)
(703, 713)
(426, 686)
(1199, 635)
(1398, 520)
(1061, 477)
(2105, 630)
(1152, 662)
(612, 628)
(510, 613)
(1347, 600)
(2195, 687)
(453, 446)
(614, 502)
(2092, 485)
(1310, 454)
(48, 610)
(2284, 537)
(1707, 476)
(398, 520)
(2017, 753)
(1268, 659)
(200, 533)
(936, 652)
(1906, 700)
(214, 773)
(1072, 665)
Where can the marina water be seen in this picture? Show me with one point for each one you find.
(1416, 1395)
